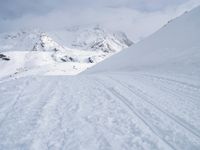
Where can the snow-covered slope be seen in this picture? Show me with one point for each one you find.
(176, 45)
(144, 98)
(65, 52)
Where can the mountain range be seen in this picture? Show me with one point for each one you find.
(62, 52)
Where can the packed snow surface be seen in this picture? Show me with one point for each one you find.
(144, 98)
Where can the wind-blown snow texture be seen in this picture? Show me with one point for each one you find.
(147, 97)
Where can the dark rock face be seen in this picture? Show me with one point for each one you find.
(68, 59)
(4, 57)
(90, 60)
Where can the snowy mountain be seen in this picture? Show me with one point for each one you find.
(146, 97)
(90, 38)
(97, 38)
(63, 52)
(32, 40)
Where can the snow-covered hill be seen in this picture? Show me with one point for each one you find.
(64, 52)
(176, 45)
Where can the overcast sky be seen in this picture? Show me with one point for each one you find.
(138, 17)
(18, 8)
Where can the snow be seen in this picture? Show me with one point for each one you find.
(175, 45)
(33, 52)
(27, 63)
(144, 98)
(93, 38)
(114, 111)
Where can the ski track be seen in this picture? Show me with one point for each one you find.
(104, 112)
(24, 114)
(185, 99)
(15, 101)
(184, 126)
(163, 93)
(147, 98)
(173, 81)
(171, 89)
(131, 107)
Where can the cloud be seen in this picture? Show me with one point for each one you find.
(18, 8)
(138, 18)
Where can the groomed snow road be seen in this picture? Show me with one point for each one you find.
(120, 111)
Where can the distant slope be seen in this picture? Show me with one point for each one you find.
(176, 44)
(64, 52)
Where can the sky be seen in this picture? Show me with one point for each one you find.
(19, 8)
(138, 18)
